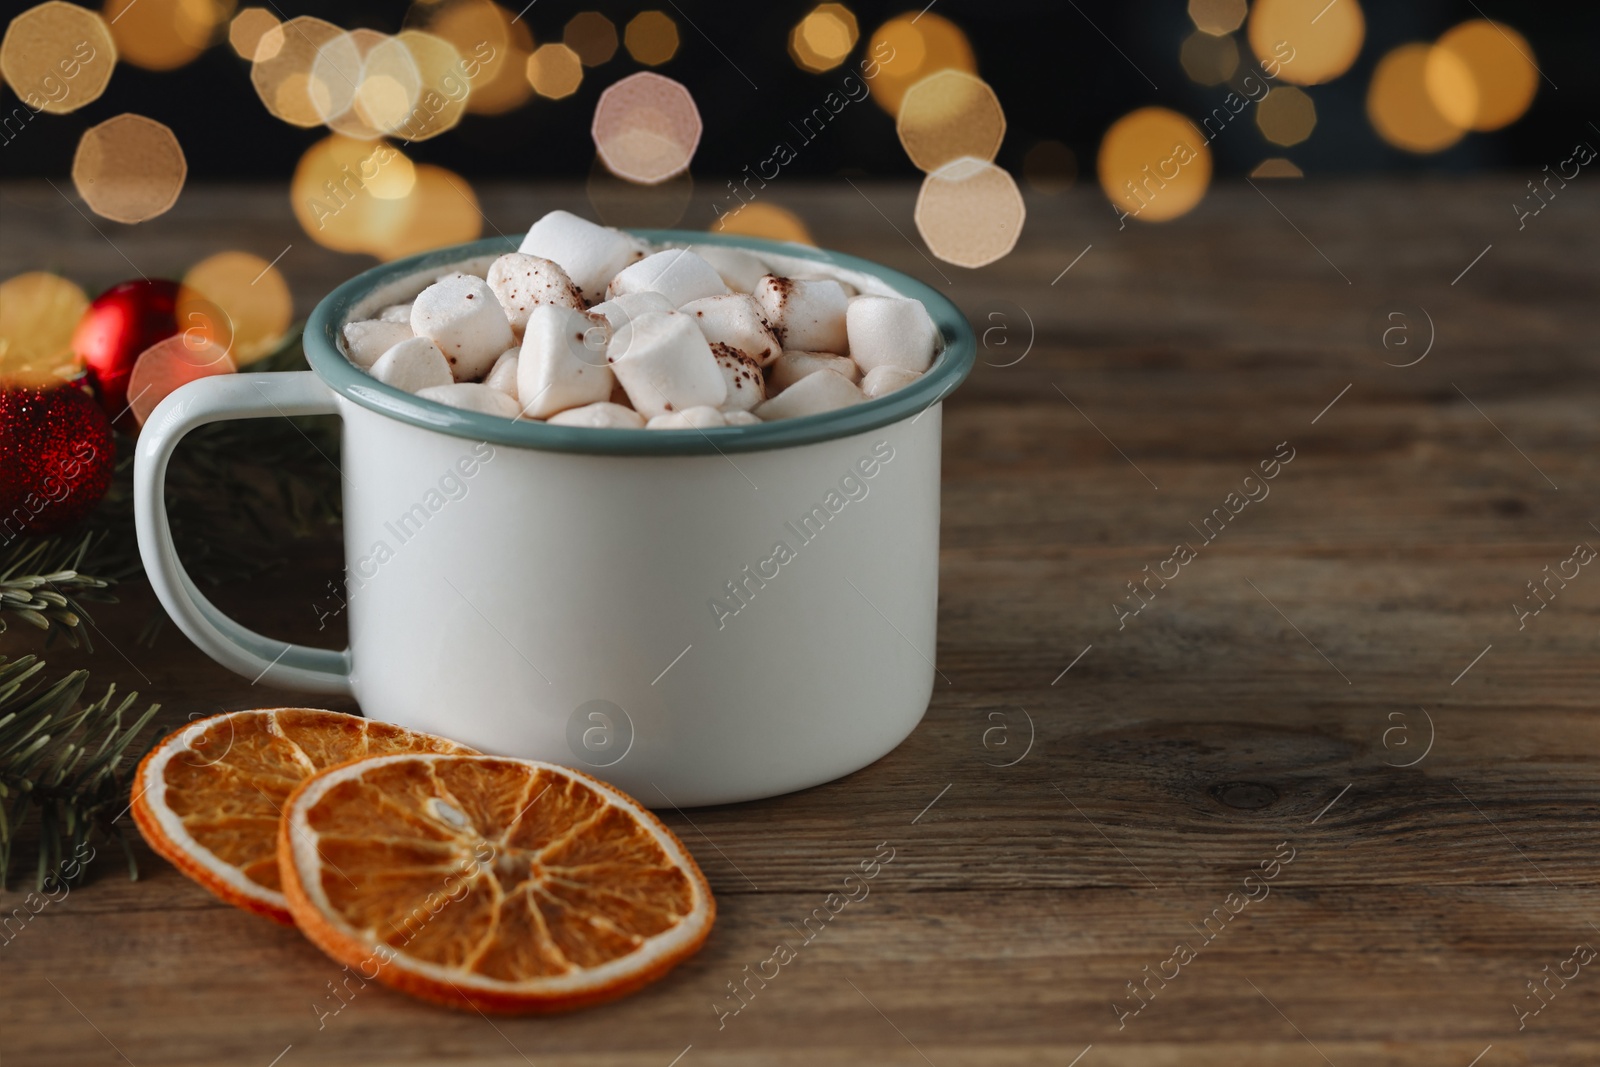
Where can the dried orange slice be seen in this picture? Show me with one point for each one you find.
(208, 798)
(487, 882)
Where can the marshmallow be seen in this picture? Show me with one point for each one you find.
(503, 375)
(601, 416)
(890, 331)
(746, 386)
(698, 418)
(470, 396)
(413, 365)
(367, 340)
(808, 315)
(461, 315)
(881, 381)
(520, 282)
(665, 364)
(822, 276)
(735, 320)
(677, 274)
(590, 254)
(396, 313)
(741, 418)
(824, 390)
(620, 310)
(556, 370)
(794, 365)
(739, 269)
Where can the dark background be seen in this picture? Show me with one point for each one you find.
(1056, 75)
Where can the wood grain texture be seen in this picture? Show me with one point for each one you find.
(1270, 694)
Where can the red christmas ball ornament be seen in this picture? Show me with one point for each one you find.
(56, 456)
(122, 322)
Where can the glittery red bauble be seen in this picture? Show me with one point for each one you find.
(122, 322)
(56, 457)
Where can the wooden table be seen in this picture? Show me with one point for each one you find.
(1340, 677)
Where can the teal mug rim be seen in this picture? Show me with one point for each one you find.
(950, 367)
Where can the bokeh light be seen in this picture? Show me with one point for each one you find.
(493, 45)
(948, 115)
(824, 38)
(247, 29)
(554, 71)
(907, 49)
(1286, 115)
(1499, 63)
(1400, 106)
(761, 219)
(445, 88)
(250, 292)
(970, 212)
(592, 36)
(646, 128)
(165, 34)
(1209, 60)
(1154, 164)
(281, 72)
(1217, 17)
(167, 365)
(57, 57)
(129, 168)
(1050, 167)
(1277, 167)
(1311, 41)
(441, 210)
(651, 37)
(38, 314)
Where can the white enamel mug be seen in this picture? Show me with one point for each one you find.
(696, 616)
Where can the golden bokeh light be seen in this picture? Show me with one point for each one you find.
(390, 86)
(1209, 60)
(970, 212)
(761, 219)
(444, 87)
(1154, 164)
(129, 168)
(165, 34)
(1400, 106)
(57, 57)
(646, 128)
(1217, 17)
(824, 38)
(905, 50)
(1311, 41)
(1050, 167)
(651, 37)
(555, 71)
(441, 210)
(38, 314)
(592, 36)
(349, 194)
(281, 72)
(948, 115)
(493, 46)
(247, 30)
(1499, 63)
(252, 295)
(1277, 167)
(1286, 115)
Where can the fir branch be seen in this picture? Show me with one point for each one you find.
(71, 764)
(44, 582)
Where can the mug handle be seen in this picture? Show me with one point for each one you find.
(213, 399)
